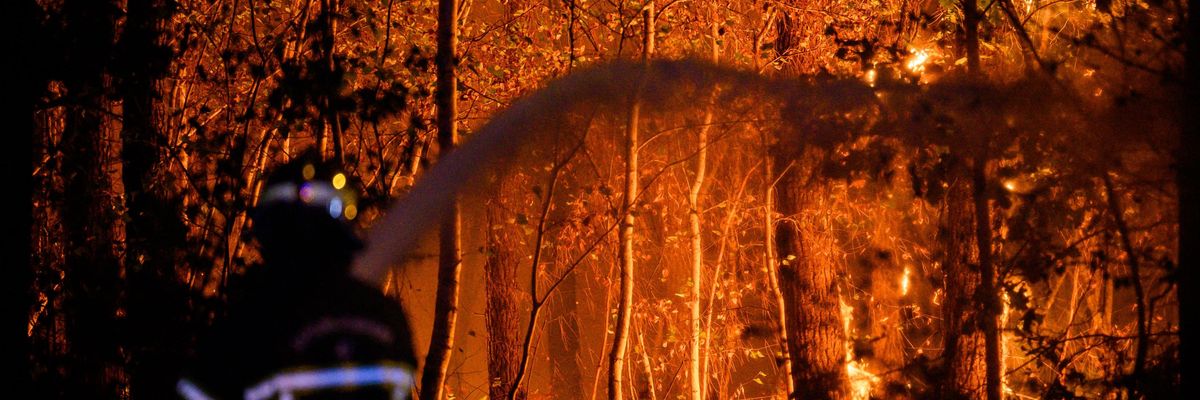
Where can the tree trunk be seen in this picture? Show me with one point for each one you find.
(90, 210)
(18, 171)
(698, 380)
(1187, 179)
(989, 296)
(445, 314)
(808, 277)
(156, 236)
(964, 343)
(1135, 276)
(772, 260)
(330, 129)
(807, 269)
(616, 359)
(502, 316)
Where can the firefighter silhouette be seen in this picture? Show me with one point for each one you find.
(299, 326)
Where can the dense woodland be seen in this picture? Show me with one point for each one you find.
(701, 199)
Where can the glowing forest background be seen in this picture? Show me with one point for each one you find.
(735, 199)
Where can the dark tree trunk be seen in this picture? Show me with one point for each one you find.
(988, 296)
(90, 210)
(972, 333)
(964, 344)
(808, 280)
(1188, 181)
(18, 172)
(330, 78)
(157, 305)
(445, 314)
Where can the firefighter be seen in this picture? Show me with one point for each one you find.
(299, 326)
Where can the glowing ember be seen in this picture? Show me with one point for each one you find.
(870, 77)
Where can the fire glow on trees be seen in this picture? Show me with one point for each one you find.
(858, 183)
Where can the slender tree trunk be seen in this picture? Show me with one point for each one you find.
(616, 359)
(964, 344)
(989, 296)
(1139, 294)
(971, 34)
(445, 314)
(697, 387)
(156, 236)
(772, 261)
(503, 317)
(331, 128)
(697, 381)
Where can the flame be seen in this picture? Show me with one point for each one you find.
(870, 77)
(861, 380)
(916, 63)
(904, 281)
(1010, 185)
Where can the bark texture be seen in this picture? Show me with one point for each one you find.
(808, 277)
(964, 342)
(502, 315)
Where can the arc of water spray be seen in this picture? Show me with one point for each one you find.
(410, 217)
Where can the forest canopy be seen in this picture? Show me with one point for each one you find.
(843, 199)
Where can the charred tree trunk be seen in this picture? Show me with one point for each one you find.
(808, 280)
(616, 358)
(503, 317)
(445, 314)
(156, 236)
(964, 343)
(90, 211)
